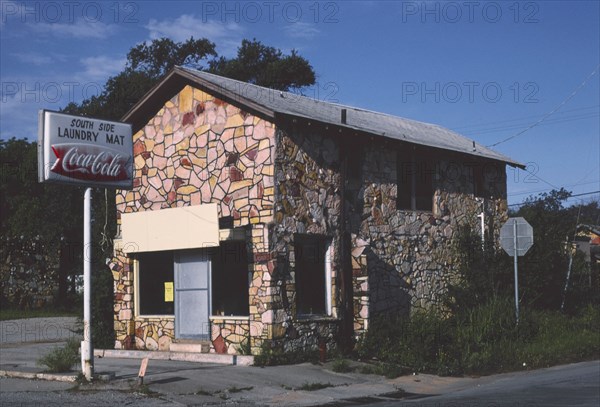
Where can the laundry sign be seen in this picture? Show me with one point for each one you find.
(84, 151)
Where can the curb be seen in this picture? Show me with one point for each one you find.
(38, 376)
(234, 360)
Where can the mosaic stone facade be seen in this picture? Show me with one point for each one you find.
(295, 177)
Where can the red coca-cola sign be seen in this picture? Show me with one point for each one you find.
(84, 151)
(89, 163)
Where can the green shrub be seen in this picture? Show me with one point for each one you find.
(62, 359)
(341, 366)
(273, 356)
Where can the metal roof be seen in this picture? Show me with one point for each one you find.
(273, 102)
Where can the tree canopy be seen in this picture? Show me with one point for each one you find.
(148, 63)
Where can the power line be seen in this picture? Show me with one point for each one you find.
(545, 189)
(547, 122)
(563, 199)
(526, 118)
(564, 102)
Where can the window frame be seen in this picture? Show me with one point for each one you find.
(328, 251)
(136, 289)
(421, 165)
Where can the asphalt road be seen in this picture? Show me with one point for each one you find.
(569, 385)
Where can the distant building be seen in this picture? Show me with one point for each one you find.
(263, 216)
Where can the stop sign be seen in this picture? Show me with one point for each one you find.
(524, 236)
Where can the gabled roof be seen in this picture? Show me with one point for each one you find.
(274, 104)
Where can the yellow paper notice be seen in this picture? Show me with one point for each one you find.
(168, 291)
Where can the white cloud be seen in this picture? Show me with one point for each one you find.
(33, 58)
(101, 67)
(302, 30)
(78, 29)
(226, 36)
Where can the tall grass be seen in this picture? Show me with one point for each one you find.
(483, 339)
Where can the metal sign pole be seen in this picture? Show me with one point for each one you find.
(516, 271)
(87, 349)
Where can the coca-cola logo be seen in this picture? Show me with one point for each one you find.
(90, 163)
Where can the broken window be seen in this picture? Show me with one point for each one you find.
(313, 275)
(154, 269)
(416, 170)
(230, 279)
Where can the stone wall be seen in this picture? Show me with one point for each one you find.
(402, 260)
(409, 254)
(308, 202)
(199, 149)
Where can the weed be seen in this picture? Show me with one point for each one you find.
(235, 389)
(244, 348)
(314, 386)
(61, 360)
(202, 392)
(341, 366)
(271, 356)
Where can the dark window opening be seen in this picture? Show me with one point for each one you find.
(415, 175)
(310, 253)
(230, 279)
(226, 222)
(154, 270)
(354, 164)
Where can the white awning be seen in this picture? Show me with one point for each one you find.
(188, 227)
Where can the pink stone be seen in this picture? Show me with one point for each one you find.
(160, 137)
(178, 136)
(211, 117)
(219, 344)
(159, 149)
(167, 184)
(188, 131)
(227, 135)
(263, 156)
(203, 139)
(149, 132)
(182, 173)
(205, 189)
(252, 154)
(139, 147)
(248, 130)
(218, 193)
(188, 118)
(235, 174)
(212, 154)
(160, 162)
(166, 118)
(196, 198)
(240, 143)
(195, 180)
(156, 182)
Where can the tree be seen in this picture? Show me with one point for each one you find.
(265, 66)
(542, 271)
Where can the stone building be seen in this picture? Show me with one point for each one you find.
(263, 216)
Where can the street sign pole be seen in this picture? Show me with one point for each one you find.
(516, 238)
(516, 256)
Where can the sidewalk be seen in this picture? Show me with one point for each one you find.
(196, 382)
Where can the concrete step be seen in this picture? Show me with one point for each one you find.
(236, 360)
(190, 347)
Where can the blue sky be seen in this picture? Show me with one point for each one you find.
(486, 69)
